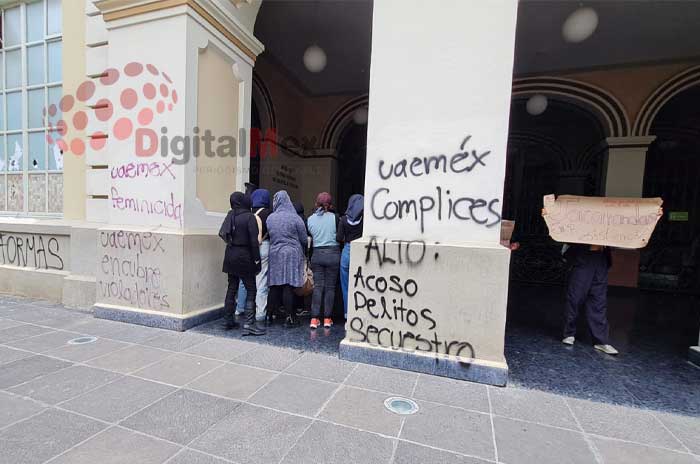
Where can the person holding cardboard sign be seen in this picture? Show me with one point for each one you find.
(588, 285)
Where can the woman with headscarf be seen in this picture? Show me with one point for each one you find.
(325, 259)
(286, 260)
(241, 260)
(349, 229)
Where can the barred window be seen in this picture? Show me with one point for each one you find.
(31, 169)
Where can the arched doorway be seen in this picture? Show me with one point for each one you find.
(352, 158)
(672, 259)
(560, 151)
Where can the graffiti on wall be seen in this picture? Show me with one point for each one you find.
(126, 271)
(387, 308)
(436, 204)
(31, 250)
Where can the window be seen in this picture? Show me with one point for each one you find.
(31, 177)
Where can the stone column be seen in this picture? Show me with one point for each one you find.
(429, 279)
(627, 157)
(174, 104)
(626, 161)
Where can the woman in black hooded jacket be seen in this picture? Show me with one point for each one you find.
(241, 260)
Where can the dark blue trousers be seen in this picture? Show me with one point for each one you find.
(588, 285)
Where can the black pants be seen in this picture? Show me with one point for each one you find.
(588, 285)
(281, 295)
(232, 291)
(325, 263)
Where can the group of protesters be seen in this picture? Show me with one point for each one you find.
(274, 255)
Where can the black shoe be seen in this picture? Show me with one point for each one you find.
(253, 330)
(230, 322)
(291, 322)
(231, 325)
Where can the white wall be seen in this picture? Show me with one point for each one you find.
(440, 73)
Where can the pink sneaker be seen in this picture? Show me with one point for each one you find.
(315, 323)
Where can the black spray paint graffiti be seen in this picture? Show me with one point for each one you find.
(29, 250)
(439, 204)
(380, 300)
(128, 277)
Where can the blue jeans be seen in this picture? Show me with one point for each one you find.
(261, 285)
(345, 275)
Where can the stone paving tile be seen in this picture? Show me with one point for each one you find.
(269, 357)
(532, 405)
(129, 359)
(620, 452)
(64, 384)
(132, 333)
(97, 327)
(327, 443)
(525, 443)
(367, 411)
(182, 416)
(118, 400)
(393, 381)
(253, 435)
(87, 351)
(622, 422)
(223, 349)
(20, 332)
(189, 456)
(22, 370)
(44, 436)
(686, 429)
(409, 453)
(322, 367)
(7, 355)
(116, 446)
(452, 429)
(7, 323)
(233, 381)
(176, 341)
(27, 313)
(298, 395)
(178, 369)
(44, 342)
(14, 408)
(452, 392)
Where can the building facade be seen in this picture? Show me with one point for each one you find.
(126, 124)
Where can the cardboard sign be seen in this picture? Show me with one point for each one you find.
(616, 222)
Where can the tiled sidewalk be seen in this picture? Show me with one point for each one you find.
(142, 395)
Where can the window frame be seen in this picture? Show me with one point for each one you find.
(24, 89)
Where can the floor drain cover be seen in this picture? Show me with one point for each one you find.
(401, 405)
(82, 340)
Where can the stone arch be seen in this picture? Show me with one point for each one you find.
(604, 104)
(340, 119)
(662, 95)
(263, 102)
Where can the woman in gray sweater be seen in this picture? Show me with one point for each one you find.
(286, 262)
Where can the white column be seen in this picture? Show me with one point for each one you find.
(429, 280)
(626, 161)
(177, 71)
(627, 157)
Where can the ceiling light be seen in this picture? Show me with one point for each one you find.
(360, 116)
(315, 59)
(580, 25)
(536, 104)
